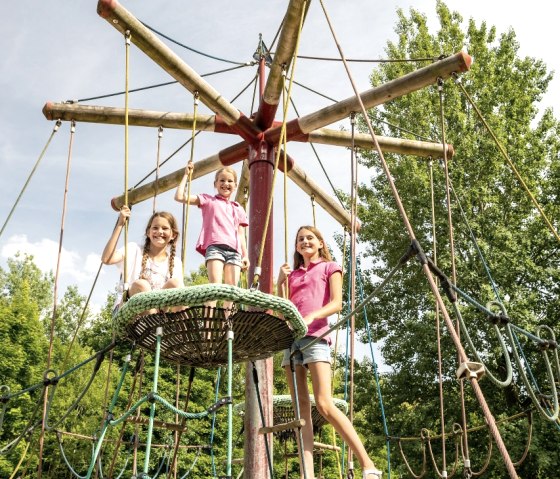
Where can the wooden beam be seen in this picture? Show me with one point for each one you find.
(286, 426)
(121, 19)
(184, 121)
(148, 118)
(416, 80)
(226, 157)
(166, 183)
(327, 201)
(283, 57)
(402, 146)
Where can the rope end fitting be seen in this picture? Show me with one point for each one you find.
(256, 277)
(470, 370)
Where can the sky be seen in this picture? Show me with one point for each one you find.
(56, 51)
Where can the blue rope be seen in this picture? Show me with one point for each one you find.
(190, 48)
(375, 373)
(475, 243)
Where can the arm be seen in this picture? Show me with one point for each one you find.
(335, 303)
(110, 254)
(244, 257)
(180, 192)
(282, 281)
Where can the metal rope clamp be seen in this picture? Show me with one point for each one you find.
(470, 370)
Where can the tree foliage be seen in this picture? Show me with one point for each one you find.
(503, 249)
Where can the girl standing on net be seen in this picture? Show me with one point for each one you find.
(154, 265)
(315, 288)
(222, 239)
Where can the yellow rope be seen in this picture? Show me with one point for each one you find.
(126, 95)
(186, 207)
(160, 135)
(285, 144)
(20, 461)
(281, 141)
(313, 209)
(508, 160)
(333, 432)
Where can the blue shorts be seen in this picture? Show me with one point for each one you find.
(320, 352)
(223, 253)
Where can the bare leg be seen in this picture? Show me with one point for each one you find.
(231, 276)
(321, 380)
(305, 413)
(141, 286)
(215, 268)
(170, 284)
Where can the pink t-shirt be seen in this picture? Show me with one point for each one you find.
(310, 290)
(220, 222)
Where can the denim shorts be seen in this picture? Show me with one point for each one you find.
(320, 352)
(223, 253)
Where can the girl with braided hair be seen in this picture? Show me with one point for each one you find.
(154, 265)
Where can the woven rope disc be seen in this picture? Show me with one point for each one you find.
(197, 335)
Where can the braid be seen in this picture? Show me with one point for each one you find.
(145, 258)
(171, 258)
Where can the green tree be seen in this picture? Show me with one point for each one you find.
(491, 206)
(22, 269)
(24, 297)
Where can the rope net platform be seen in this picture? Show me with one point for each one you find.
(262, 324)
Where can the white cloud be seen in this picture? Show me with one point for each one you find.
(45, 254)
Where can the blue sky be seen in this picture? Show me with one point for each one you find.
(56, 51)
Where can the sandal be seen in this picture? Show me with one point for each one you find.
(371, 474)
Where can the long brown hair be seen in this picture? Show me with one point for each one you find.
(324, 252)
(173, 224)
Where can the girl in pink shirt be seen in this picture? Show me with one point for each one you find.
(315, 287)
(222, 238)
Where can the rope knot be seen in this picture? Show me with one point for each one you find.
(547, 344)
(499, 319)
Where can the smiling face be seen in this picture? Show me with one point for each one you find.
(308, 245)
(225, 183)
(160, 232)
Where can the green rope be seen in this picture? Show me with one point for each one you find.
(198, 295)
(153, 403)
(107, 420)
(505, 354)
(554, 414)
(163, 402)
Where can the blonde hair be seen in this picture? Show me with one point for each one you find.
(173, 224)
(324, 252)
(226, 169)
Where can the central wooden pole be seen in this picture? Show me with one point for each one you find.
(261, 170)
